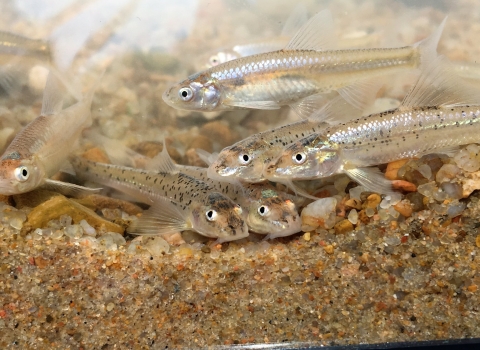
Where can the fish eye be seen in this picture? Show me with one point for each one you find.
(214, 60)
(244, 159)
(211, 215)
(21, 173)
(185, 94)
(299, 158)
(263, 210)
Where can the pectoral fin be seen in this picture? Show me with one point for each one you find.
(163, 217)
(372, 179)
(69, 189)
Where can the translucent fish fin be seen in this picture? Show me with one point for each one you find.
(295, 21)
(163, 162)
(116, 151)
(449, 151)
(428, 47)
(52, 96)
(8, 81)
(163, 217)
(69, 189)
(362, 93)
(307, 106)
(255, 104)
(207, 157)
(372, 179)
(438, 85)
(297, 190)
(336, 111)
(67, 168)
(316, 34)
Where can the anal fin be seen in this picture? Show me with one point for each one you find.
(69, 189)
(372, 179)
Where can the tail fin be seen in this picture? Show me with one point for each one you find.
(428, 46)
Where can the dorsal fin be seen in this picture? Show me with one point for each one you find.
(316, 34)
(207, 157)
(52, 96)
(163, 162)
(438, 85)
(295, 21)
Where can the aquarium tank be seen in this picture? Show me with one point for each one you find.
(250, 174)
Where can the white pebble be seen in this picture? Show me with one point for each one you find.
(467, 160)
(370, 212)
(356, 192)
(157, 246)
(87, 229)
(323, 210)
(74, 231)
(353, 216)
(446, 173)
(425, 170)
(57, 234)
(65, 220)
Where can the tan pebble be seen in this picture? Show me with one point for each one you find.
(472, 288)
(33, 198)
(306, 236)
(403, 185)
(192, 158)
(393, 225)
(41, 263)
(404, 207)
(185, 251)
(174, 238)
(58, 206)
(219, 132)
(477, 241)
(96, 155)
(152, 148)
(329, 249)
(343, 227)
(201, 142)
(354, 203)
(373, 201)
(362, 216)
(392, 169)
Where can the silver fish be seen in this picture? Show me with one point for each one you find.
(14, 47)
(439, 114)
(297, 75)
(180, 202)
(41, 148)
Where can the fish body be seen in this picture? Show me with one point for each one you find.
(15, 47)
(192, 203)
(439, 114)
(287, 77)
(41, 148)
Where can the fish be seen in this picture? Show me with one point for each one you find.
(439, 114)
(245, 160)
(297, 18)
(297, 75)
(268, 211)
(19, 53)
(41, 148)
(178, 201)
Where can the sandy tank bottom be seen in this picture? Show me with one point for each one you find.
(370, 271)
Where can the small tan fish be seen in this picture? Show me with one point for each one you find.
(41, 148)
(439, 114)
(297, 75)
(178, 201)
(268, 211)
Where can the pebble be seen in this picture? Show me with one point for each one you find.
(157, 246)
(343, 227)
(201, 142)
(89, 230)
(110, 307)
(58, 206)
(218, 131)
(404, 207)
(353, 216)
(446, 173)
(468, 158)
(356, 192)
(354, 203)
(372, 201)
(403, 185)
(319, 213)
(99, 202)
(74, 231)
(392, 169)
(96, 155)
(477, 241)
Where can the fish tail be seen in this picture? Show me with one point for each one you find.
(428, 47)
